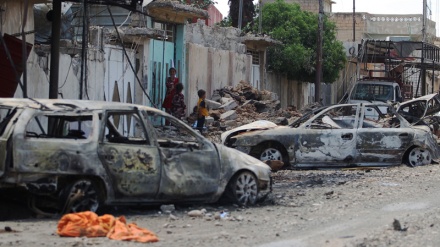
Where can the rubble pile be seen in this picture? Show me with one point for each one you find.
(230, 107)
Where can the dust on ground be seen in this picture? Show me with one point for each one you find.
(306, 208)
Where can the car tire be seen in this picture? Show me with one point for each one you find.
(418, 157)
(243, 189)
(269, 151)
(81, 195)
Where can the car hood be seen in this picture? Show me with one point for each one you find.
(257, 125)
(238, 160)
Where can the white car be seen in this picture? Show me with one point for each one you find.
(340, 136)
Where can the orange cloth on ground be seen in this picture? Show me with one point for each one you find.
(90, 224)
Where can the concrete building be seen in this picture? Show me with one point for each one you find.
(130, 63)
(309, 5)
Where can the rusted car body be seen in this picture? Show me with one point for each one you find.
(346, 135)
(72, 155)
(423, 110)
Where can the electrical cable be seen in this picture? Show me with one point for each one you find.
(126, 19)
(128, 59)
(67, 75)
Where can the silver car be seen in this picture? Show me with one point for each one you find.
(346, 135)
(72, 155)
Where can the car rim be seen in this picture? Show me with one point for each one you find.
(246, 189)
(419, 157)
(271, 154)
(82, 197)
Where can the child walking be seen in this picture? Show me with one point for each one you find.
(202, 111)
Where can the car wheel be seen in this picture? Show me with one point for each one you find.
(418, 157)
(243, 189)
(81, 195)
(271, 151)
(271, 154)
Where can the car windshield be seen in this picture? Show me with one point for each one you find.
(372, 92)
(306, 116)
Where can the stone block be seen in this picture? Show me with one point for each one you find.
(212, 104)
(225, 100)
(209, 120)
(229, 115)
(230, 105)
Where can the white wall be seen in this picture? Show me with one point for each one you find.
(210, 69)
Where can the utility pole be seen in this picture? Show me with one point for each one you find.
(423, 68)
(55, 50)
(319, 54)
(354, 21)
(84, 50)
(260, 17)
(240, 14)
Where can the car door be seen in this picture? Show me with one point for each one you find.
(129, 156)
(382, 140)
(329, 138)
(6, 115)
(190, 163)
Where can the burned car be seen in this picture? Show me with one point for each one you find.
(72, 155)
(424, 110)
(346, 135)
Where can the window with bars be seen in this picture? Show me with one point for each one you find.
(168, 29)
(255, 56)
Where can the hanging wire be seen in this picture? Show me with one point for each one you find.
(126, 19)
(128, 59)
(24, 48)
(67, 75)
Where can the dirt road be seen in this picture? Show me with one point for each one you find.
(388, 207)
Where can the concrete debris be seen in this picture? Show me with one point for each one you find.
(398, 227)
(229, 105)
(167, 209)
(229, 115)
(212, 104)
(241, 105)
(197, 213)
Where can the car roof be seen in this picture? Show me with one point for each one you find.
(424, 97)
(65, 104)
(379, 82)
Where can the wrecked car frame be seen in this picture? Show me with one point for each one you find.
(424, 110)
(346, 135)
(72, 155)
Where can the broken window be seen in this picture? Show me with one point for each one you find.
(342, 117)
(170, 132)
(433, 106)
(373, 92)
(125, 127)
(5, 116)
(379, 117)
(413, 112)
(60, 126)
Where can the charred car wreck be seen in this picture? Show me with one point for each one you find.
(424, 110)
(71, 155)
(346, 135)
